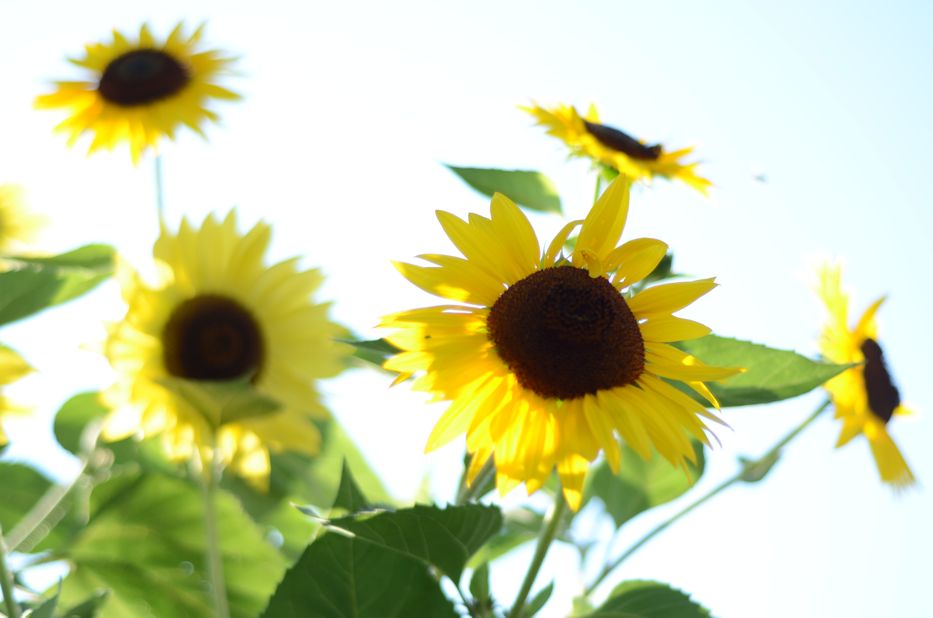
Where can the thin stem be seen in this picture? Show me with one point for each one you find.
(599, 186)
(49, 505)
(472, 492)
(544, 543)
(215, 566)
(766, 459)
(6, 582)
(160, 196)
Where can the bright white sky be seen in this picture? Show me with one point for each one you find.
(349, 110)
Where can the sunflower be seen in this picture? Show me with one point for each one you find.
(216, 313)
(12, 368)
(610, 147)
(548, 360)
(17, 225)
(864, 397)
(140, 90)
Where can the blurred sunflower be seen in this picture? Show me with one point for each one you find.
(140, 90)
(587, 137)
(17, 225)
(12, 368)
(216, 314)
(864, 397)
(548, 361)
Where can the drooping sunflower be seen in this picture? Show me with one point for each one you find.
(217, 313)
(587, 137)
(865, 397)
(17, 225)
(545, 359)
(12, 368)
(141, 90)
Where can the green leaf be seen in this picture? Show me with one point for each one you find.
(299, 478)
(46, 609)
(519, 526)
(338, 577)
(641, 485)
(530, 189)
(88, 608)
(349, 494)
(224, 402)
(771, 375)
(479, 588)
(74, 416)
(755, 470)
(35, 283)
(442, 538)
(375, 351)
(538, 601)
(646, 599)
(145, 542)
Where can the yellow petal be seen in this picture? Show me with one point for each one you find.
(635, 260)
(666, 328)
(669, 297)
(603, 226)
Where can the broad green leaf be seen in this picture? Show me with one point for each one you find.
(34, 283)
(375, 351)
(145, 542)
(538, 601)
(340, 577)
(349, 495)
(647, 599)
(771, 375)
(530, 189)
(74, 416)
(442, 538)
(519, 527)
(641, 485)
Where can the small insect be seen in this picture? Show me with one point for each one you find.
(883, 396)
(623, 142)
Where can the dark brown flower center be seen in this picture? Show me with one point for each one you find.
(212, 337)
(565, 334)
(883, 397)
(623, 142)
(142, 76)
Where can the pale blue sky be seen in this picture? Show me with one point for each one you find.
(349, 109)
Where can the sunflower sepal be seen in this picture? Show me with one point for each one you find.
(222, 402)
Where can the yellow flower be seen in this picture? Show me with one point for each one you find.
(587, 137)
(548, 361)
(12, 368)
(216, 313)
(865, 397)
(17, 225)
(140, 90)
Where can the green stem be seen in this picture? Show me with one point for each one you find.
(160, 195)
(544, 543)
(215, 566)
(474, 490)
(599, 186)
(40, 517)
(766, 459)
(6, 582)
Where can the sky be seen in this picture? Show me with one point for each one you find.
(351, 109)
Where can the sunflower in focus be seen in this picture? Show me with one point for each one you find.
(587, 137)
(864, 397)
(17, 225)
(140, 90)
(546, 359)
(12, 368)
(216, 313)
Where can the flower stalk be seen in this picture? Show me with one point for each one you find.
(758, 466)
(6, 582)
(213, 557)
(548, 534)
